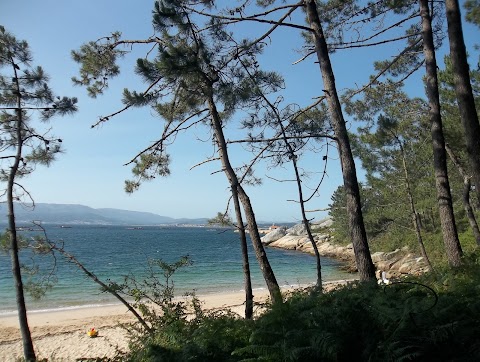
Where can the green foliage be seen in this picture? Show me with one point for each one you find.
(24, 92)
(473, 11)
(435, 317)
(5, 242)
(184, 70)
(154, 295)
(36, 281)
(222, 219)
(209, 337)
(97, 64)
(147, 167)
(180, 329)
(454, 133)
(338, 212)
(405, 321)
(394, 129)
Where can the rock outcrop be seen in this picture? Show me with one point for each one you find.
(395, 263)
(399, 262)
(297, 230)
(274, 235)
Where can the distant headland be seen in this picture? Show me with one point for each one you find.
(73, 214)
(70, 214)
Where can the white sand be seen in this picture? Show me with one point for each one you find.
(62, 335)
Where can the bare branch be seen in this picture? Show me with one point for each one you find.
(204, 162)
(255, 17)
(317, 210)
(304, 57)
(279, 138)
(165, 136)
(357, 45)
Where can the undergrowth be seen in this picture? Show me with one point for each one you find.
(432, 318)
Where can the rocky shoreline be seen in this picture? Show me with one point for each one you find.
(395, 263)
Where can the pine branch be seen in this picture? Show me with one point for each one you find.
(356, 45)
(165, 136)
(106, 118)
(384, 70)
(325, 158)
(255, 17)
(278, 138)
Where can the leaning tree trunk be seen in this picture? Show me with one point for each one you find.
(28, 351)
(416, 224)
(466, 194)
(463, 90)
(305, 221)
(445, 205)
(104, 286)
(260, 254)
(247, 280)
(356, 225)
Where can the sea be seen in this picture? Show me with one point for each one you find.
(113, 252)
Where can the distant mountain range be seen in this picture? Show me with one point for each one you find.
(80, 214)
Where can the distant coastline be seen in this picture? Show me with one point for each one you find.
(70, 214)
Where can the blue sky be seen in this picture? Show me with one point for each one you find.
(91, 171)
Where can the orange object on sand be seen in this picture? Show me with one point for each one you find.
(92, 333)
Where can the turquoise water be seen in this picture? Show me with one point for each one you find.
(112, 252)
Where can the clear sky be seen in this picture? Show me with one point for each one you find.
(92, 171)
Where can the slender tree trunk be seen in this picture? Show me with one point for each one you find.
(306, 222)
(247, 280)
(260, 254)
(92, 276)
(415, 221)
(463, 90)
(358, 235)
(445, 205)
(28, 350)
(466, 194)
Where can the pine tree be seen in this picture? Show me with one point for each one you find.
(194, 78)
(445, 204)
(389, 146)
(454, 135)
(24, 91)
(463, 90)
(356, 224)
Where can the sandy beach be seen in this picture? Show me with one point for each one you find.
(62, 335)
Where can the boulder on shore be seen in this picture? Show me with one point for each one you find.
(324, 223)
(297, 230)
(274, 235)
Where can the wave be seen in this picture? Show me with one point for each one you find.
(8, 313)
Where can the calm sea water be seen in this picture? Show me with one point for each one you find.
(114, 251)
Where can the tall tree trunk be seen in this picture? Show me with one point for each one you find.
(306, 222)
(28, 351)
(356, 225)
(463, 90)
(466, 194)
(247, 280)
(415, 221)
(260, 254)
(445, 205)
